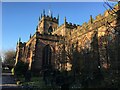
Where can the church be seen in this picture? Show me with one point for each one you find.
(58, 47)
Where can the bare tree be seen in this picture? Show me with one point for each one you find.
(9, 57)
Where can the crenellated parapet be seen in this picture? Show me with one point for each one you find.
(53, 19)
(98, 17)
(71, 25)
(49, 18)
(48, 37)
(100, 20)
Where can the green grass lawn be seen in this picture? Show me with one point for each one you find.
(37, 82)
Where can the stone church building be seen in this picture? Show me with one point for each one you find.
(52, 45)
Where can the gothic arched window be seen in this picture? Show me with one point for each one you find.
(50, 30)
(47, 52)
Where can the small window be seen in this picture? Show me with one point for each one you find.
(50, 29)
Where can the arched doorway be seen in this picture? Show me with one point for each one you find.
(47, 53)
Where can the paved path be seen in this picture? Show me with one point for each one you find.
(8, 82)
(7, 78)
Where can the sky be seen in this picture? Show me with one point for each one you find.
(19, 19)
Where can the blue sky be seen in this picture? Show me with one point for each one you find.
(21, 18)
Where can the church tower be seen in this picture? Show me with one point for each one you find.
(47, 23)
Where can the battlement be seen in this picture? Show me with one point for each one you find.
(47, 35)
(109, 16)
(71, 25)
(49, 18)
(22, 44)
(99, 20)
(93, 21)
